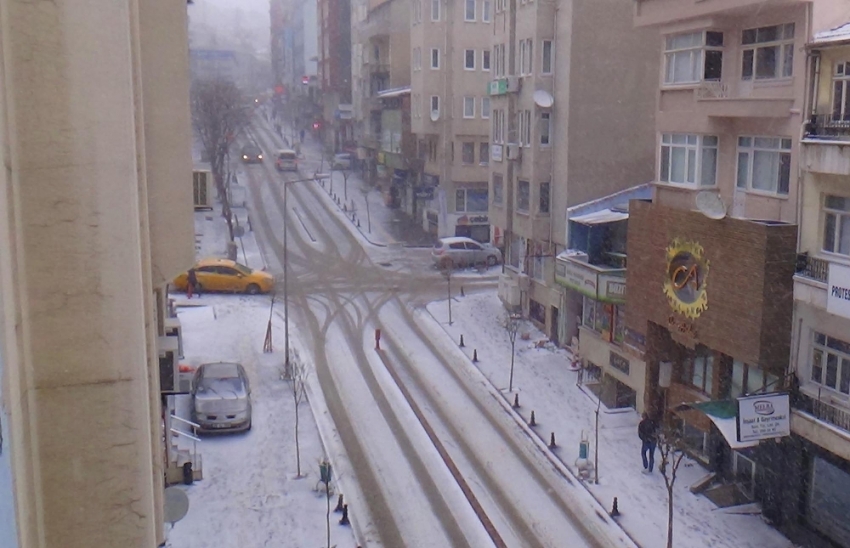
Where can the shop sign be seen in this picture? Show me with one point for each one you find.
(635, 340)
(619, 363)
(685, 281)
(683, 327)
(578, 277)
(838, 290)
(382, 158)
(430, 180)
(498, 87)
(612, 289)
(763, 417)
(424, 193)
(473, 220)
(496, 153)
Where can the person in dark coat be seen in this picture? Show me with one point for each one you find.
(647, 432)
(192, 284)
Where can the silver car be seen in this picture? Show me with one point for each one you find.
(460, 251)
(221, 398)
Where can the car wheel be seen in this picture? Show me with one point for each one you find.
(491, 260)
(252, 289)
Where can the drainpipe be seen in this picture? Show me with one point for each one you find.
(562, 300)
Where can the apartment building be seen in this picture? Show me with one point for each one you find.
(96, 140)
(381, 70)
(336, 129)
(572, 96)
(820, 361)
(451, 56)
(710, 282)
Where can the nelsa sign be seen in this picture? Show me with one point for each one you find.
(764, 416)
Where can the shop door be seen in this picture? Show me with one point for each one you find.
(553, 327)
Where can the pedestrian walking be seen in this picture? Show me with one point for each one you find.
(192, 284)
(302, 135)
(647, 432)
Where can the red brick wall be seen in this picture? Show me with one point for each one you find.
(749, 281)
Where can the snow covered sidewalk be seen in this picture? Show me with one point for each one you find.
(547, 387)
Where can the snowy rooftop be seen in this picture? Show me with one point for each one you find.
(837, 34)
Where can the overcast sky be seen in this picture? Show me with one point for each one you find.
(231, 21)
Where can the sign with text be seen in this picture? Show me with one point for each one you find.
(838, 290)
(578, 277)
(496, 153)
(763, 417)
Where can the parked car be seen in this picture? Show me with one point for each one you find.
(221, 398)
(461, 251)
(252, 154)
(342, 161)
(227, 276)
(287, 160)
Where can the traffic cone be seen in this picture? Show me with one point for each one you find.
(475, 356)
(516, 401)
(532, 422)
(461, 341)
(552, 441)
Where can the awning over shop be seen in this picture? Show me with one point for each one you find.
(600, 217)
(723, 414)
(395, 92)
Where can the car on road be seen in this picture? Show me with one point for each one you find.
(221, 398)
(461, 251)
(342, 161)
(286, 160)
(228, 276)
(252, 154)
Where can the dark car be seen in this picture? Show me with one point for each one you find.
(252, 154)
(221, 398)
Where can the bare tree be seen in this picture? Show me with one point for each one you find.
(671, 457)
(218, 115)
(511, 323)
(298, 374)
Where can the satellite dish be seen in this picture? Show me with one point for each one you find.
(176, 504)
(435, 115)
(711, 205)
(543, 98)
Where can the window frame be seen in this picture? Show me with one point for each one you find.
(485, 60)
(498, 195)
(467, 101)
(485, 100)
(431, 104)
(698, 148)
(548, 198)
(697, 54)
(784, 45)
(432, 58)
(483, 153)
(466, 57)
(543, 47)
(840, 216)
(466, 5)
(547, 124)
(438, 5)
(750, 152)
(842, 363)
(486, 8)
(841, 77)
(523, 196)
(464, 146)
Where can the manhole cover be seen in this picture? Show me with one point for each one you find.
(385, 264)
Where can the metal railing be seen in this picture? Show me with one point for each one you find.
(824, 411)
(826, 126)
(812, 267)
(712, 90)
(194, 456)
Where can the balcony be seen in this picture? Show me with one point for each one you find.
(812, 268)
(736, 100)
(602, 282)
(825, 145)
(824, 411)
(810, 280)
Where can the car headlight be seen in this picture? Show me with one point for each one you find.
(244, 157)
(260, 157)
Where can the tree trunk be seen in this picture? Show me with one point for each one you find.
(670, 517)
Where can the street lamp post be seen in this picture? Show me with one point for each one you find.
(316, 176)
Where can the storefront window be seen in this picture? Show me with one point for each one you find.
(698, 370)
(620, 324)
(831, 363)
(589, 319)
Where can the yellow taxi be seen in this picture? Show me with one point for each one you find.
(227, 276)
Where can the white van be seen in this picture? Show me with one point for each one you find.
(287, 160)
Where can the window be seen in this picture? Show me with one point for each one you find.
(417, 58)
(831, 363)
(521, 60)
(498, 126)
(546, 61)
(545, 121)
(435, 105)
(484, 153)
(841, 92)
(432, 145)
(469, 10)
(435, 10)
(748, 378)
(524, 125)
(698, 370)
(469, 59)
(485, 59)
(468, 153)
(688, 159)
(836, 225)
(435, 58)
(498, 189)
(543, 205)
(523, 195)
(693, 57)
(472, 200)
(485, 11)
(469, 107)
(768, 52)
(499, 58)
(764, 164)
(599, 316)
(525, 56)
(485, 107)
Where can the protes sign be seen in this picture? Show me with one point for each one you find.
(686, 277)
(838, 292)
(764, 417)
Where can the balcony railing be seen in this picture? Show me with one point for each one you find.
(824, 411)
(825, 126)
(812, 267)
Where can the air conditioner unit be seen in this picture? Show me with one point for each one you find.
(514, 84)
(524, 282)
(509, 291)
(202, 189)
(514, 151)
(169, 373)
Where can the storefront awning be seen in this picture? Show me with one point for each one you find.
(723, 414)
(395, 92)
(600, 217)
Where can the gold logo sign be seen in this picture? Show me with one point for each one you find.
(686, 277)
